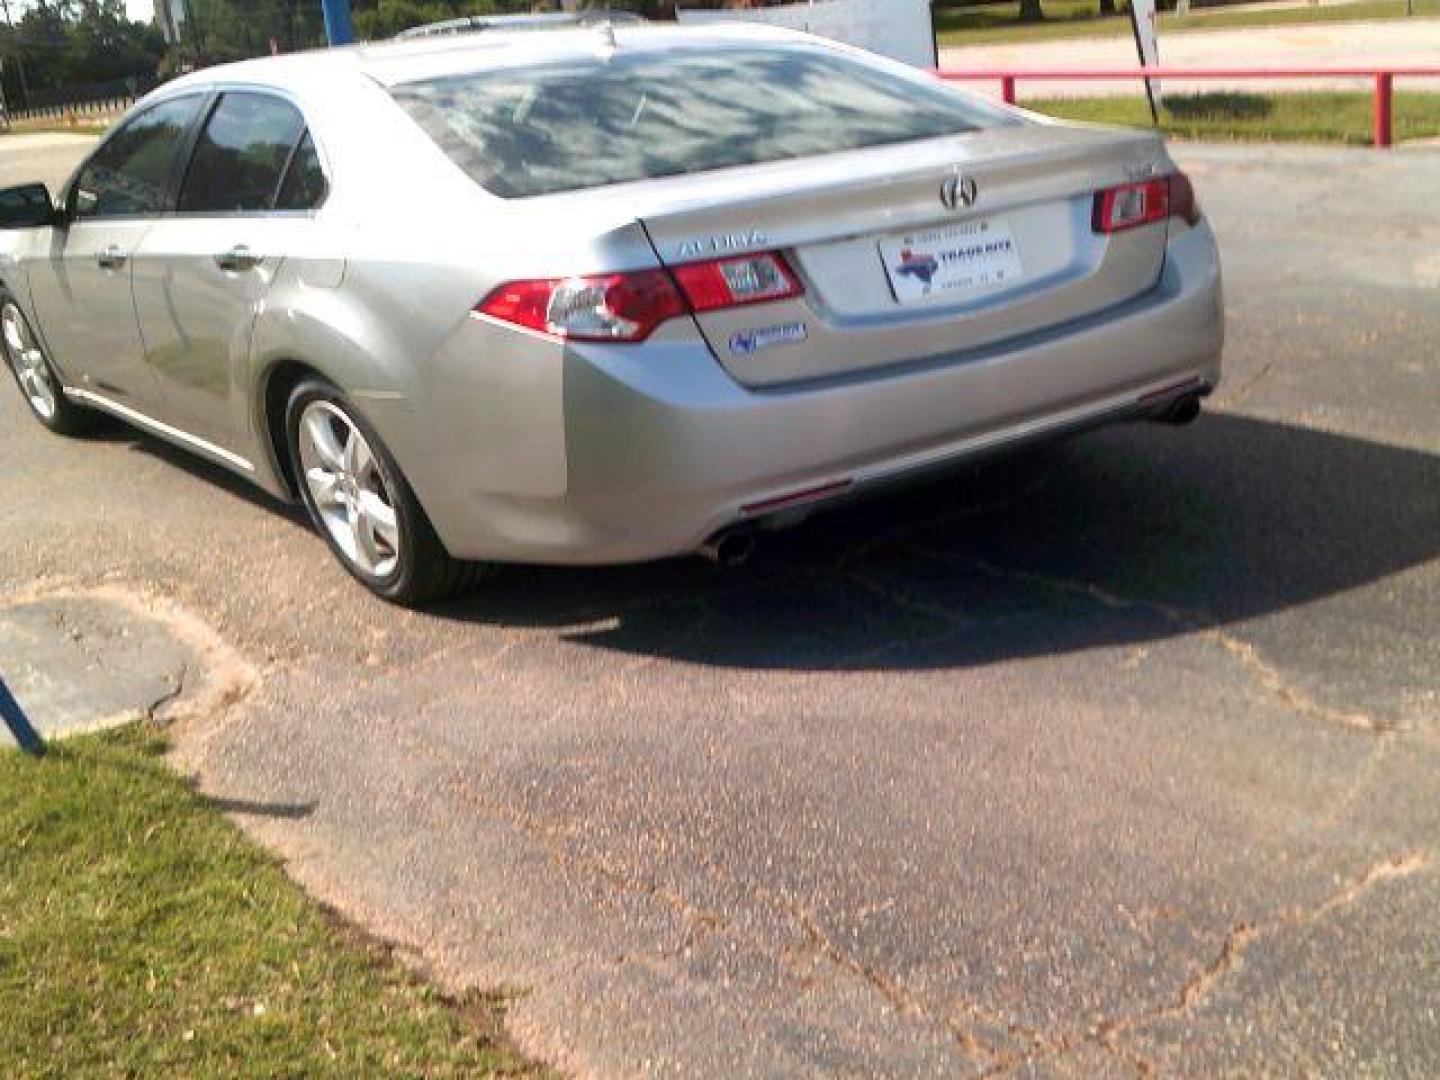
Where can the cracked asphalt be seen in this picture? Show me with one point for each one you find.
(1121, 758)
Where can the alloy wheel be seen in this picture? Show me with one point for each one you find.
(28, 362)
(349, 489)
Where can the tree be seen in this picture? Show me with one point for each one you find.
(219, 31)
(102, 44)
(1030, 11)
(69, 43)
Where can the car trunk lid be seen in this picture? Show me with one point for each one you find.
(914, 251)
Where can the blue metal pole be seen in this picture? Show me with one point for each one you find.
(28, 738)
(338, 30)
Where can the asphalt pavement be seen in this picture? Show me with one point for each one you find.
(1120, 758)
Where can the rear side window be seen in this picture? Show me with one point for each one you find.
(603, 120)
(240, 157)
(130, 173)
(304, 187)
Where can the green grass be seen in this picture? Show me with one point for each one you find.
(142, 934)
(998, 24)
(1321, 117)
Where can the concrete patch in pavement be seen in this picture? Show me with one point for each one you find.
(80, 661)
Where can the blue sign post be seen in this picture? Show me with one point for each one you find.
(338, 30)
(28, 738)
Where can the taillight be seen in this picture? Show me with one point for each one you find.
(746, 279)
(1182, 199)
(1129, 205)
(605, 307)
(629, 306)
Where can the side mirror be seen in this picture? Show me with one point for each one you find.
(26, 207)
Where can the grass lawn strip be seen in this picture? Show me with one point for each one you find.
(142, 933)
(1289, 117)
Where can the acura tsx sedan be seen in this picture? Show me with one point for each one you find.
(600, 295)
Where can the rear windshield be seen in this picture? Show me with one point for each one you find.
(601, 120)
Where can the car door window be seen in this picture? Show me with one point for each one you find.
(130, 173)
(241, 155)
(305, 185)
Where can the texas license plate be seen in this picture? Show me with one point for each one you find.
(953, 259)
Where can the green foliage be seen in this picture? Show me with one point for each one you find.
(219, 31)
(62, 43)
(65, 43)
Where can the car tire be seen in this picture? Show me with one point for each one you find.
(362, 505)
(34, 374)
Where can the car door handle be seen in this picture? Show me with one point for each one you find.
(238, 259)
(110, 258)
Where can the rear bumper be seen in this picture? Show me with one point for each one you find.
(663, 450)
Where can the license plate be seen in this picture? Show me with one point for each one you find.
(954, 259)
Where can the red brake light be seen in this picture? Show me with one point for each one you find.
(745, 279)
(604, 307)
(1130, 205)
(627, 307)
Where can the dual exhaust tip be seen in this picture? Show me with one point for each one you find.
(1182, 410)
(731, 547)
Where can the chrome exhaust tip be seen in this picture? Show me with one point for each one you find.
(1180, 412)
(730, 549)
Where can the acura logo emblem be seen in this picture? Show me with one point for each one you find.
(959, 191)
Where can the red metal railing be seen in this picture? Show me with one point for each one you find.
(1383, 77)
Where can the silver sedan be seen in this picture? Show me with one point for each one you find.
(600, 295)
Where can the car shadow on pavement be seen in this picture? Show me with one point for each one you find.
(176, 457)
(1128, 535)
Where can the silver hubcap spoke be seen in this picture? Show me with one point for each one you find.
(358, 460)
(324, 485)
(349, 489)
(379, 518)
(15, 335)
(319, 427)
(27, 361)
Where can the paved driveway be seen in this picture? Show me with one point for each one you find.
(49, 157)
(1122, 757)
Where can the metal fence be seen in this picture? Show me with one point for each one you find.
(82, 101)
(1381, 76)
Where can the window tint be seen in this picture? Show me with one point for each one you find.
(130, 173)
(304, 187)
(608, 119)
(240, 155)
